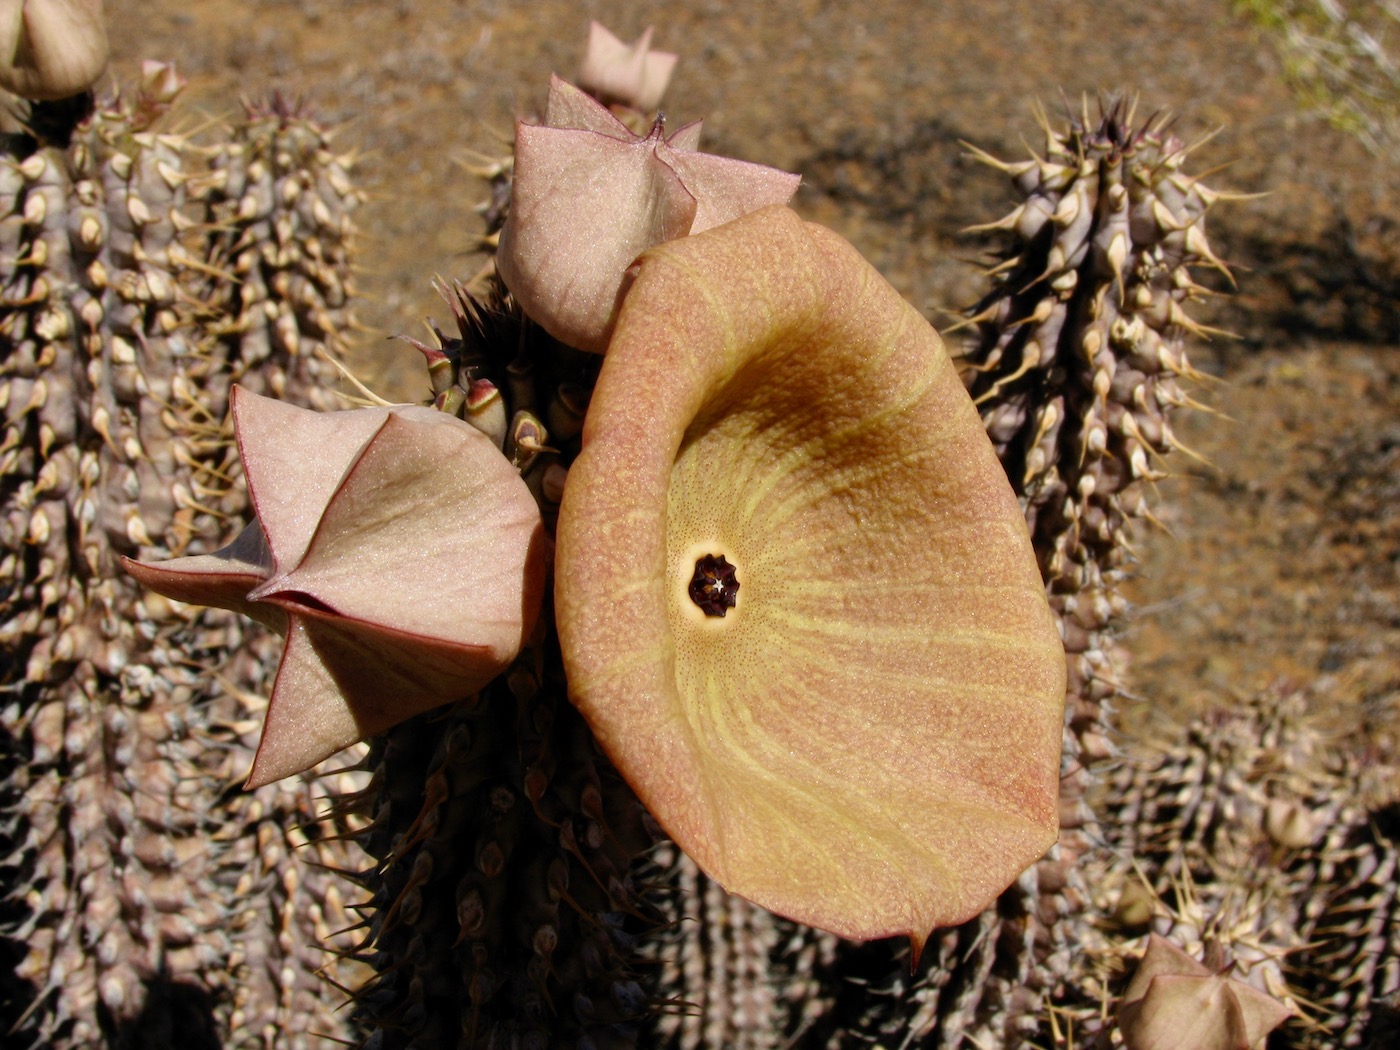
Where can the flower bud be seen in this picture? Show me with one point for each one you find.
(51, 49)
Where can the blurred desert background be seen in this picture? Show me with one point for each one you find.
(1278, 559)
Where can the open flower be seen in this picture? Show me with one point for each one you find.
(396, 549)
(630, 74)
(590, 196)
(1175, 1001)
(51, 49)
(796, 596)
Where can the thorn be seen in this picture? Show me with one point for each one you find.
(986, 315)
(1177, 316)
(1028, 361)
(334, 1038)
(1006, 222)
(1197, 244)
(1186, 151)
(1013, 169)
(1005, 266)
(1132, 112)
(1162, 215)
(1231, 196)
(368, 396)
(1043, 309)
(1117, 255)
(1190, 453)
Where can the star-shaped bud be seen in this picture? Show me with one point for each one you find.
(396, 549)
(631, 75)
(1176, 1001)
(51, 49)
(795, 593)
(590, 196)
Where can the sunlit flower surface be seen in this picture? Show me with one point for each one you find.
(796, 597)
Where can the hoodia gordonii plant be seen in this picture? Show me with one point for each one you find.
(539, 911)
(741, 976)
(145, 897)
(501, 903)
(1349, 971)
(277, 229)
(1075, 365)
(1221, 846)
(708, 567)
(280, 202)
(1200, 837)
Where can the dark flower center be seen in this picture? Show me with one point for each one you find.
(714, 587)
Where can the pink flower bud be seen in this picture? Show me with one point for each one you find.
(1175, 1001)
(51, 48)
(631, 75)
(396, 549)
(590, 196)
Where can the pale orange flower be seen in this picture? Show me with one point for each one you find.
(853, 719)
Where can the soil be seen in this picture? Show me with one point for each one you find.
(1279, 555)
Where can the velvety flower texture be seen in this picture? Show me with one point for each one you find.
(630, 74)
(590, 196)
(396, 549)
(867, 740)
(1176, 1001)
(51, 48)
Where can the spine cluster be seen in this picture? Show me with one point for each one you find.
(1077, 362)
(280, 202)
(142, 889)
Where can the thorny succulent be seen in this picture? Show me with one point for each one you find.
(514, 772)
(137, 886)
(501, 902)
(998, 967)
(501, 905)
(1076, 364)
(1259, 837)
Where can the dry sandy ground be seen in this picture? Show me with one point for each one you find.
(1281, 557)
